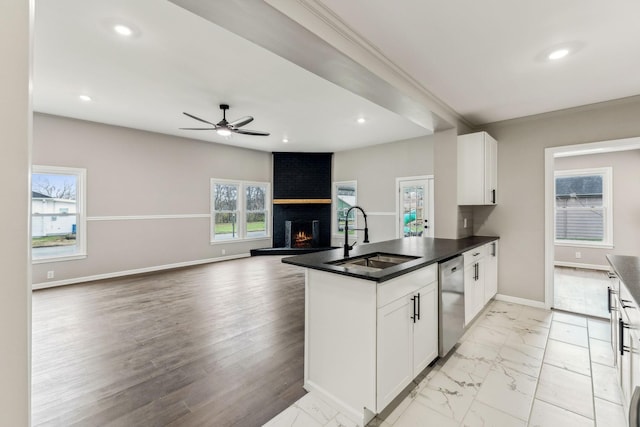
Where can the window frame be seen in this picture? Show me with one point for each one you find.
(81, 211)
(241, 211)
(334, 211)
(607, 207)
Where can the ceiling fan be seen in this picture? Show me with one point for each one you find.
(225, 128)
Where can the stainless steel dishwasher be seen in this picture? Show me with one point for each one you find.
(451, 307)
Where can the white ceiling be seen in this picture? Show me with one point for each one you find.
(181, 62)
(483, 59)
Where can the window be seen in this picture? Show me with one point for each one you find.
(57, 213)
(583, 207)
(239, 210)
(344, 197)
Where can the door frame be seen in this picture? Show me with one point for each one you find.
(430, 207)
(549, 203)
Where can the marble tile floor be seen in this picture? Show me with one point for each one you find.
(581, 291)
(515, 366)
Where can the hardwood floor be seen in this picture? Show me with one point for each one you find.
(214, 345)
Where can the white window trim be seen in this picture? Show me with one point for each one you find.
(240, 208)
(607, 206)
(81, 210)
(334, 211)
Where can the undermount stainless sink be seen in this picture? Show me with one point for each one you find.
(373, 262)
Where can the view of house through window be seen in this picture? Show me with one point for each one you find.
(583, 206)
(236, 217)
(57, 217)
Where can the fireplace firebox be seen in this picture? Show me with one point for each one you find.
(302, 234)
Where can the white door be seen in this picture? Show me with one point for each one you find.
(415, 207)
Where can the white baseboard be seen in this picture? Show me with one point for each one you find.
(115, 274)
(359, 418)
(522, 301)
(580, 265)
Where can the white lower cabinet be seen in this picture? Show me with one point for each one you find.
(473, 283)
(407, 340)
(366, 341)
(480, 278)
(627, 339)
(491, 271)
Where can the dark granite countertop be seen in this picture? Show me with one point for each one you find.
(627, 268)
(427, 250)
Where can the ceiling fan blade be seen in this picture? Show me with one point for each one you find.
(251, 132)
(241, 121)
(198, 128)
(198, 118)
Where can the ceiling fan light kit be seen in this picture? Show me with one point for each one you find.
(225, 128)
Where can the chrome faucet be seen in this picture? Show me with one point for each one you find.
(348, 247)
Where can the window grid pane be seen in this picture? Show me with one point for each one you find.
(579, 208)
(55, 215)
(346, 198)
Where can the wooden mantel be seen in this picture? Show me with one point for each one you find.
(302, 201)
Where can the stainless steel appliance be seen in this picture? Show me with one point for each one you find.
(451, 306)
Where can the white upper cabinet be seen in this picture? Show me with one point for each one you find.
(477, 169)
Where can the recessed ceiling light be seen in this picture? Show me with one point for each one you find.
(559, 51)
(558, 54)
(123, 30)
(85, 98)
(120, 27)
(361, 120)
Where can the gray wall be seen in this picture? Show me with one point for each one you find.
(15, 285)
(626, 206)
(137, 173)
(519, 218)
(376, 169)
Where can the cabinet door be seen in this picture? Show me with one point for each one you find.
(634, 361)
(471, 179)
(624, 364)
(425, 329)
(491, 170)
(395, 342)
(469, 292)
(491, 271)
(473, 289)
(477, 169)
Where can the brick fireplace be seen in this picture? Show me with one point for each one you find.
(301, 199)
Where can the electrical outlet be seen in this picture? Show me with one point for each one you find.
(224, 252)
(50, 274)
(578, 255)
(464, 222)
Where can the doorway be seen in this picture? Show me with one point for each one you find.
(414, 212)
(576, 284)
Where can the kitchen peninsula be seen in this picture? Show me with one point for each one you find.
(371, 320)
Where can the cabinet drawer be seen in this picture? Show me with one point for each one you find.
(630, 307)
(393, 289)
(474, 255)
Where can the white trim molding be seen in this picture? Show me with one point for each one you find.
(146, 217)
(549, 190)
(521, 301)
(583, 266)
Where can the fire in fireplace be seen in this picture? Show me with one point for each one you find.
(302, 234)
